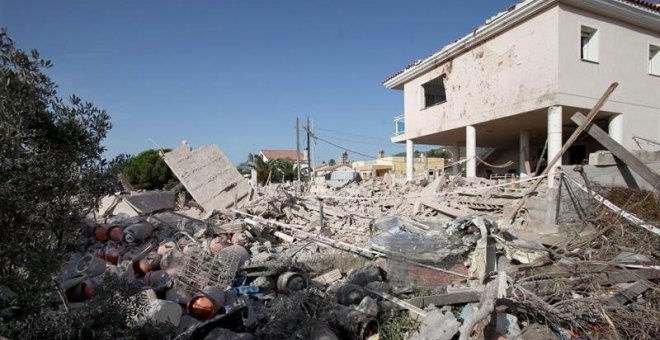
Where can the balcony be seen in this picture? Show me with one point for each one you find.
(399, 125)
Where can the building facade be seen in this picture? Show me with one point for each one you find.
(422, 166)
(513, 83)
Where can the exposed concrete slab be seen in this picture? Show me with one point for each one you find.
(605, 158)
(148, 202)
(107, 204)
(123, 208)
(622, 154)
(542, 210)
(209, 176)
(434, 187)
(444, 209)
(439, 324)
(614, 176)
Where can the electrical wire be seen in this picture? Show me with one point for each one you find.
(312, 135)
(349, 134)
(343, 148)
(351, 140)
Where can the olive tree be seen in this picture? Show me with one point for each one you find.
(53, 172)
(149, 171)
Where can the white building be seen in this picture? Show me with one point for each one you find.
(515, 81)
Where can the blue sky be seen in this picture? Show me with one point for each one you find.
(238, 73)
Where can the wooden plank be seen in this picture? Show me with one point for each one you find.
(445, 210)
(446, 299)
(284, 237)
(228, 228)
(398, 302)
(590, 116)
(628, 294)
(328, 278)
(547, 287)
(619, 151)
(326, 210)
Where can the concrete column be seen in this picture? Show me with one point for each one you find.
(455, 157)
(554, 139)
(470, 151)
(524, 168)
(615, 128)
(410, 156)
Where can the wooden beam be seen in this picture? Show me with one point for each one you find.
(619, 151)
(547, 287)
(401, 303)
(551, 163)
(284, 237)
(328, 278)
(631, 292)
(445, 210)
(447, 298)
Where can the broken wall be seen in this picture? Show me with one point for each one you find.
(209, 176)
(514, 72)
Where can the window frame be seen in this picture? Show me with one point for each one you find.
(422, 92)
(651, 61)
(592, 45)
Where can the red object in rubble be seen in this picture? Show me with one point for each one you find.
(100, 234)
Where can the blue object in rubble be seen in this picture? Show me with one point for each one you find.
(247, 290)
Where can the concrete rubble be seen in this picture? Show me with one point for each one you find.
(328, 263)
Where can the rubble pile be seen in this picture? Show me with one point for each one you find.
(323, 263)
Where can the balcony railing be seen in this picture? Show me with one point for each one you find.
(399, 125)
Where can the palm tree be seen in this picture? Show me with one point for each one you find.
(263, 168)
(285, 170)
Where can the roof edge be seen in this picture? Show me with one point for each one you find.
(480, 34)
(502, 23)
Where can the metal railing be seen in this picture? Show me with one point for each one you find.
(399, 125)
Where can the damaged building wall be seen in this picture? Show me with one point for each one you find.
(209, 176)
(623, 57)
(511, 73)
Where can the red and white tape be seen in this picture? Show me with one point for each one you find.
(628, 216)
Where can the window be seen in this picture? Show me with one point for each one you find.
(654, 60)
(434, 92)
(589, 44)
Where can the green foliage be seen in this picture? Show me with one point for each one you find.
(53, 172)
(438, 153)
(395, 326)
(332, 161)
(276, 170)
(433, 153)
(106, 316)
(285, 170)
(149, 171)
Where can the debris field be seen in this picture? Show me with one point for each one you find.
(383, 258)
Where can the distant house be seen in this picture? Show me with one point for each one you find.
(324, 170)
(422, 166)
(273, 154)
(337, 175)
(513, 84)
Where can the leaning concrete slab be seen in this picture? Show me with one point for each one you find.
(150, 201)
(619, 151)
(123, 208)
(209, 176)
(106, 204)
(606, 158)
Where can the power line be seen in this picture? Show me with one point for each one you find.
(352, 140)
(338, 146)
(350, 134)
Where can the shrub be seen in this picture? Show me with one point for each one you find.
(149, 171)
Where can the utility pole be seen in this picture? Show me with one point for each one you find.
(298, 150)
(309, 150)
